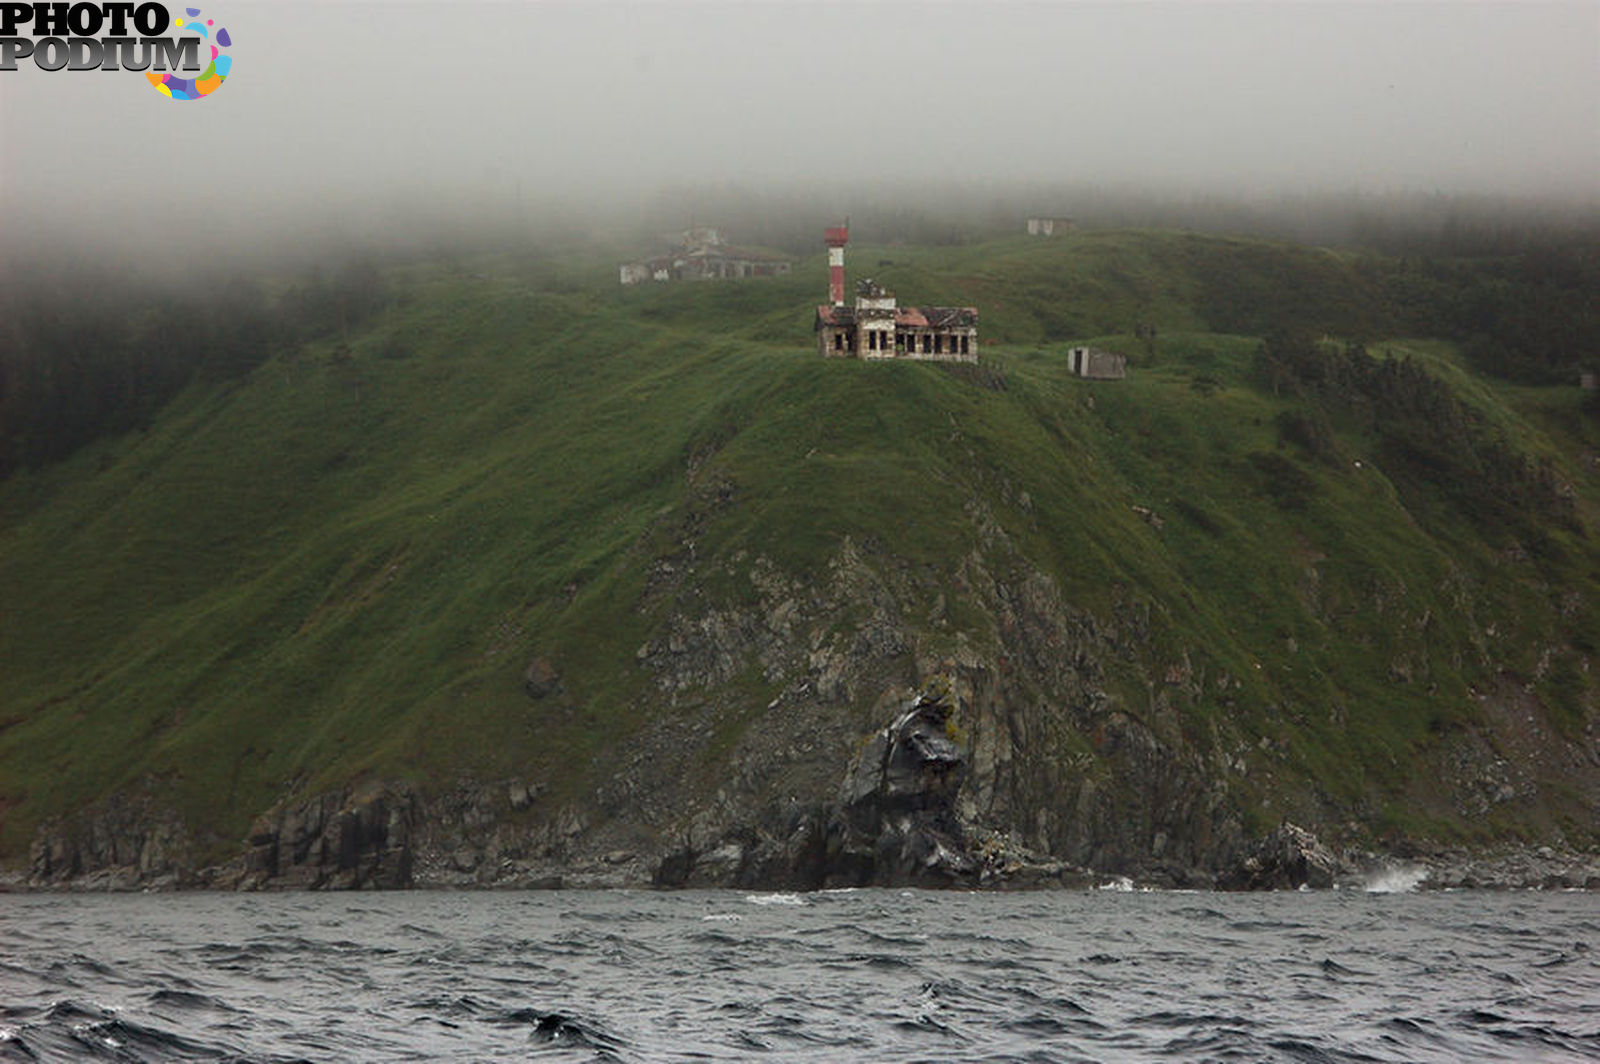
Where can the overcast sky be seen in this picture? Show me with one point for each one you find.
(351, 105)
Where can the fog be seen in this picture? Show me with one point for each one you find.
(353, 120)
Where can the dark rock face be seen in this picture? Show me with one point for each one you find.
(121, 844)
(896, 820)
(1287, 859)
(343, 840)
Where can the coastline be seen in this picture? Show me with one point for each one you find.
(1413, 868)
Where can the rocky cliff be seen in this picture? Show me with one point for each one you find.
(896, 752)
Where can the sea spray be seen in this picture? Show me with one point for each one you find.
(1395, 879)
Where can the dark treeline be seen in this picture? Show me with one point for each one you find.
(85, 354)
(1429, 442)
(1531, 317)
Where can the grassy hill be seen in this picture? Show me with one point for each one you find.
(338, 568)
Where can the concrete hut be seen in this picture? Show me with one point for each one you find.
(1095, 364)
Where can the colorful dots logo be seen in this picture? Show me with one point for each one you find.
(214, 74)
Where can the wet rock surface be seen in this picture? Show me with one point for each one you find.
(1507, 868)
(1287, 859)
(895, 819)
(121, 844)
(344, 840)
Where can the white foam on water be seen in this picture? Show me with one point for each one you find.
(1122, 884)
(1397, 879)
(775, 899)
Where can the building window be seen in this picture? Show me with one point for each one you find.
(838, 341)
(964, 342)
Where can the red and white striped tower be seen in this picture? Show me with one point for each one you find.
(836, 237)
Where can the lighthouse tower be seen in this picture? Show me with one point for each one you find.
(836, 237)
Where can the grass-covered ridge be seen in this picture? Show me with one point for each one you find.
(339, 566)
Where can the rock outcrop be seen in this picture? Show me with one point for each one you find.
(1287, 859)
(895, 820)
(343, 840)
(124, 843)
(898, 818)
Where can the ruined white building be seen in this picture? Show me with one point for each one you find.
(700, 254)
(877, 327)
(1049, 226)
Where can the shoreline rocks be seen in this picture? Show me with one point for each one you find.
(1287, 859)
(373, 841)
(901, 816)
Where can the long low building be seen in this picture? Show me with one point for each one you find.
(701, 255)
(876, 328)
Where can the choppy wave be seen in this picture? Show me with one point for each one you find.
(865, 975)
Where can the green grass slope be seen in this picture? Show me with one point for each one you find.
(340, 567)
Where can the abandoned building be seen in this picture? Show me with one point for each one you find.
(1097, 365)
(1049, 226)
(700, 254)
(876, 327)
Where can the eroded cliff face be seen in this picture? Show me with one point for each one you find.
(977, 730)
(123, 843)
(1053, 772)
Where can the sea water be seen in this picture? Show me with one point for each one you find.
(864, 975)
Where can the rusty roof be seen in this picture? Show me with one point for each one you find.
(946, 317)
(914, 317)
(730, 252)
